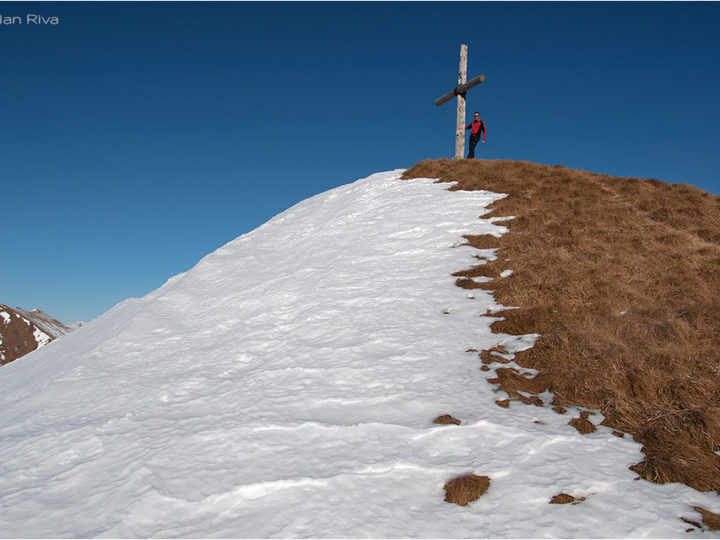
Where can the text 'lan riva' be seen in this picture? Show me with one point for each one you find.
(30, 18)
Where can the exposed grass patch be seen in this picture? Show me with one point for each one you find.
(711, 521)
(582, 424)
(446, 419)
(621, 279)
(465, 489)
(564, 498)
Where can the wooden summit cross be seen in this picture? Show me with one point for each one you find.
(459, 91)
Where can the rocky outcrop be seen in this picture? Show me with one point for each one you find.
(24, 331)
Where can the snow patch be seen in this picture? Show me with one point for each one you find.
(41, 338)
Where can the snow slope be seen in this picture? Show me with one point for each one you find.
(286, 386)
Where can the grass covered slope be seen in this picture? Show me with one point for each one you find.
(621, 277)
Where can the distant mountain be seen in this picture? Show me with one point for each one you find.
(24, 331)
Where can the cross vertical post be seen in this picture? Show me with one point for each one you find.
(460, 131)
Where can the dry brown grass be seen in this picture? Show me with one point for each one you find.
(711, 521)
(621, 278)
(446, 419)
(465, 489)
(582, 424)
(564, 498)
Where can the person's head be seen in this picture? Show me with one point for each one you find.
(476, 115)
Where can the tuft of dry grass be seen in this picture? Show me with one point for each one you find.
(446, 419)
(582, 424)
(621, 279)
(564, 498)
(465, 489)
(711, 521)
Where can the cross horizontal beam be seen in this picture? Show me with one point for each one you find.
(460, 90)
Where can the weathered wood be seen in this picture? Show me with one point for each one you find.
(459, 90)
(460, 130)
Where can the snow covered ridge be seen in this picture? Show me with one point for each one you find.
(287, 386)
(23, 331)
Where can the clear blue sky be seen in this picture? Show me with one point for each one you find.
(135, 138)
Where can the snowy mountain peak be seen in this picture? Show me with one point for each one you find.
(287, 385)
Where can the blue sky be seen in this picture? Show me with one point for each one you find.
(135, 138)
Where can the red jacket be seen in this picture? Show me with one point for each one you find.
(477, 127)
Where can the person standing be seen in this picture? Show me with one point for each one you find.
(478, 127)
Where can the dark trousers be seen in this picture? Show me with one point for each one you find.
(474, 139)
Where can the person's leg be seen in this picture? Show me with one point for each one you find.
(473, 143)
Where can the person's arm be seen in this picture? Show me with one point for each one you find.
(468, 126)
(484, 131)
